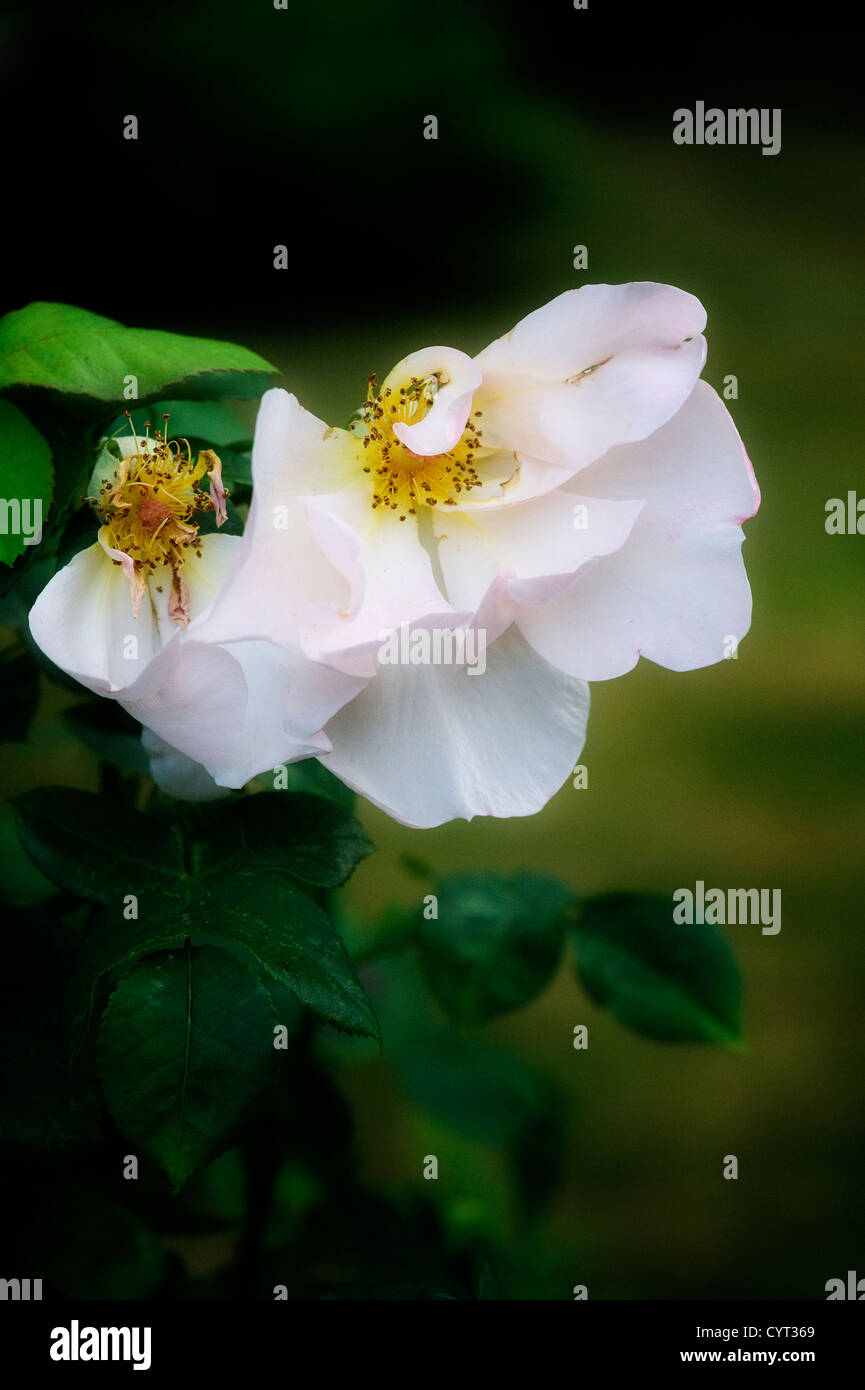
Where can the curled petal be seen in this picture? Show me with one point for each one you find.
(596, 367)
(178, 603)
(448, 379)
(133, 575)
(217, 491)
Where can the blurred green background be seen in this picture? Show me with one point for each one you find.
(748, 773)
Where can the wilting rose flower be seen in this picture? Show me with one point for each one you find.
(121, 618)
(574, 493)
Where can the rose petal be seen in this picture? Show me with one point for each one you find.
(581, 328)
(596, 367)
(177, 775)
(535, 550)
(456, 378)
(390, 575)
(83, 622)
(431, 743)
(677, 589)
(280, 567)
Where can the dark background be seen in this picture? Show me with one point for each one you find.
(304, 127)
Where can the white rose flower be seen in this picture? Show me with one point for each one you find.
(574, 494)
(121, 618)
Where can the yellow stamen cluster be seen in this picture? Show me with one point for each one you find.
(148, 508)
(403, 481)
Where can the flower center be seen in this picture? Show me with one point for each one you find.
(400, 480)
(147, 510)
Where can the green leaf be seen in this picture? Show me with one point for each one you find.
(73, 454)
(463, 1080)
(669, 982)
(114, 944)
(216, 423)
(236, 468)
(309, 775)
(71, 350)
(495, 944)
(97, 849)
(19, 694)
(303, 835)
(185, 1051)
(111, 734)
(292, 939)
(471, 1085)
(262, 916)
(233, 890)
(26, 482)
